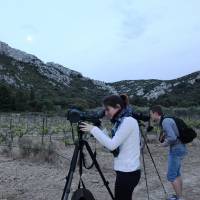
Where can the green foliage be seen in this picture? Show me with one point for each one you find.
(6, 98)
(19, 131)
(32, 91)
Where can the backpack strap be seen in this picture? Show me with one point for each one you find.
(175, 121)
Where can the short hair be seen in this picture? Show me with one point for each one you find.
(157, 109)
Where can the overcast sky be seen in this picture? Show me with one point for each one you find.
(108, 40)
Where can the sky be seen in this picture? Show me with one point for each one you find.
(108, 40)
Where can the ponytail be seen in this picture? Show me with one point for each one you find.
(125, 99)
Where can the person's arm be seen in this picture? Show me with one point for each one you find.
(121, 134)
(170, 135)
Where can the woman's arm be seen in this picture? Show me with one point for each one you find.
(121, 134)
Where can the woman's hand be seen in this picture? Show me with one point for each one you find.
(86, 127)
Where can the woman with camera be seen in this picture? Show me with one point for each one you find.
(124, 144)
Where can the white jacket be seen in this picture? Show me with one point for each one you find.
(127, 138)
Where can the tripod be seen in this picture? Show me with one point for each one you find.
(78, 154)
(152, 159)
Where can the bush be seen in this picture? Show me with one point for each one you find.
(25, 146)
(39, 152)
(45, 152)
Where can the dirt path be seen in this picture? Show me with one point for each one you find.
(23, 179)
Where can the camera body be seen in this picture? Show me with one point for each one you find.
(75, 116)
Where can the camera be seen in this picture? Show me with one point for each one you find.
(76, 116)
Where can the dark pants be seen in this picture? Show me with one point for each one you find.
(125, 184)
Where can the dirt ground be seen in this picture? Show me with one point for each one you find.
(25, 179)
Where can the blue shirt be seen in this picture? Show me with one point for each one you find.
(171, 134)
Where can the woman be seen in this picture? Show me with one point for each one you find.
(125, 145)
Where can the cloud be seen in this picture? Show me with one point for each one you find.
(132, 22)
(133, 25)
(29, 28)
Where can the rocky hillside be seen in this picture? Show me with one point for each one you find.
(184, 91)
(27, 83)
(26, 77)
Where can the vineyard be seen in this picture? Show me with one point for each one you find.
(36, 151)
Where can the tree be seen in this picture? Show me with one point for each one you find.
(21, 100)
(6, 99)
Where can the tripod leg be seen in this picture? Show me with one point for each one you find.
(148, 149)
(106, 183)
(69, 177)
(145, 174)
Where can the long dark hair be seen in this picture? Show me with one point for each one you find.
(114, 100)
(125, 99)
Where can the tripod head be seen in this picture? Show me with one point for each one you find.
(80, 133)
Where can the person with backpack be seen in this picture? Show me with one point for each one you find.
(124, 144)
(177, 150)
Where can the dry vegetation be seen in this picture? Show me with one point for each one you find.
(36, 152)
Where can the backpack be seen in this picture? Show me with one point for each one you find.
(82, 194)
(186, 134)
